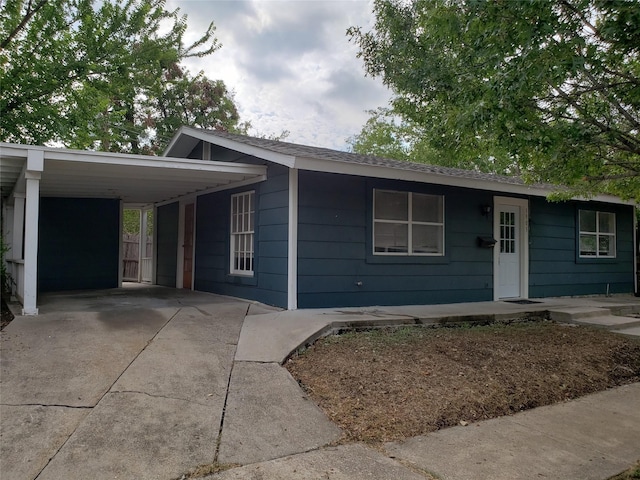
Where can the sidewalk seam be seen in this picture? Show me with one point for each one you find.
(216, 453)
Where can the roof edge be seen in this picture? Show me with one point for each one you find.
(259, 152)
(387, 172)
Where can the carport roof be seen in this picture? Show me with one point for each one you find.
(138, 179)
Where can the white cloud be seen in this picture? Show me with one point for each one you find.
(290, 64)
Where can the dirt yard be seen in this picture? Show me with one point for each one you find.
(384, 385)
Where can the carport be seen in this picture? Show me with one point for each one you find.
(58, 182)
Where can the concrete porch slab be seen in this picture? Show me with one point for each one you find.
(631, 331)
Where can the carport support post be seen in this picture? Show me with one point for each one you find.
(35, 166)
(18, 223)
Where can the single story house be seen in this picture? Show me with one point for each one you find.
(304, 227)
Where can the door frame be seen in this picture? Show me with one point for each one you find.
(183, 202)
(523, 204)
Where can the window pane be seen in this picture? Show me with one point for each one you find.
(391, 205)
(427, 239)
(606, 222)
(427, 208)
(242, 222)
(605, 246)
(391, 237)
(588, 245)
(587, 221)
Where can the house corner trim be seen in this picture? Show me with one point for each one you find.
(292, 261)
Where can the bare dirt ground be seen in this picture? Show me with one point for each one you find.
(388, 384)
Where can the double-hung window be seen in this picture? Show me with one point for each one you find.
(242, 233)
(597, 234)
(406, 223)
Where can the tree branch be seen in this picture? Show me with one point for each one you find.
(28, 14)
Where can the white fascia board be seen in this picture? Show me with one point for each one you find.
(16, 150)
(279, 158)
(127, 159)
(154, 162)
(381, 171)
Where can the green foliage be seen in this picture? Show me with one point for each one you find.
(181, 99)
(549, 89)
(130, 221)
(102, 74)
(5, 278)
(389, 135)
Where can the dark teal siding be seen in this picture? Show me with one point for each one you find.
(212, 264)
(555, 268)
(78, 244)
(335, 264)
(167, 244)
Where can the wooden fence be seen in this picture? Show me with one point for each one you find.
(131, 257)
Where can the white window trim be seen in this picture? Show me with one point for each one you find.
(234, 235)
(598, 234)
(410, 222)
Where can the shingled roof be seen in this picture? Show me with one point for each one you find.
(326, 154)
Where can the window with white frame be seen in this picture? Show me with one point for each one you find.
(242, 233)
(407, 223)
(597, 234)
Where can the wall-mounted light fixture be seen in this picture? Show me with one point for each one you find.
(486, 210)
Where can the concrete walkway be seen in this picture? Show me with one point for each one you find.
(148, 383)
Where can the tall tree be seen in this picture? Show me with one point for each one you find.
(85, 72)
(180, 99)
(388, 134)
(553, 87)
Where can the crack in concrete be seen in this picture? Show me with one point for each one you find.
(226, 396)
(89, 407)
(203, 312)
(186, 400)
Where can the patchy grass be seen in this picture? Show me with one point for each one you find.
(388, 384)
(632, 474)
(202, 471)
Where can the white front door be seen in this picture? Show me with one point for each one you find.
(510, 256)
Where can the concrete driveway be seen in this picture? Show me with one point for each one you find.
(126, 383)
(150, 382)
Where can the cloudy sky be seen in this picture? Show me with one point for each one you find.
(290, 64)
